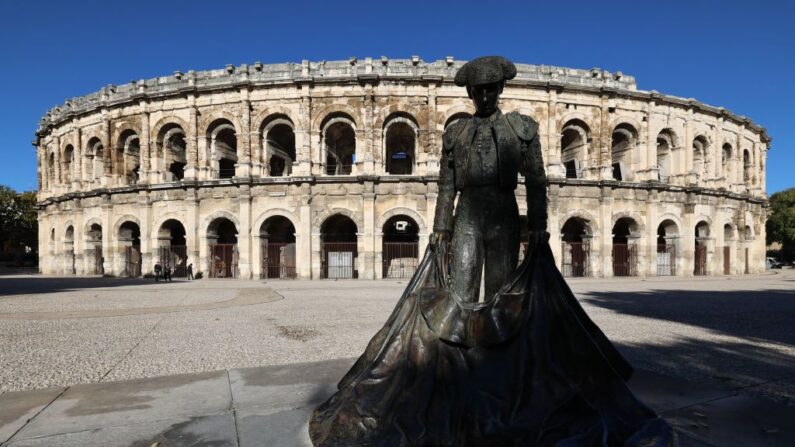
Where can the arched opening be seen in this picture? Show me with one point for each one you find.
(747, 168)
(95, 154)
(174, 151)
(455, 118)
(223, 146)
(277, 236)
(576, 245)
(665, 146)
(625, 253)
(68, 157)
(700, 146)
(728, 237)
(700, 256)
(573, 147)
(223, 251)
(725, 158)
(624, 139)
(69, 249)
(280, 148)
(130, 245)
(172, 248)
(338, 247)
(400, 247)
(94, 249)
(667, 237)
(128, 157)
(51, 170)
(400, 141)
(339, 141)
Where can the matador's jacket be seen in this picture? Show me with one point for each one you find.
(518, 151)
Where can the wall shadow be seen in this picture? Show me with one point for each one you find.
(43, 284)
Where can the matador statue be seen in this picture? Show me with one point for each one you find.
(525, 366)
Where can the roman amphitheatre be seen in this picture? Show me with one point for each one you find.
(328, 169)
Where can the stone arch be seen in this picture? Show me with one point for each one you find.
(154, 134)
(215, 215)
(322, 216)
(397, 211)
(574, 116)
(634, 215)
(667, 143)
(275, 212)
(174, 215)
(626, 120)
(122, 127)
(263, 117)
(331, 111)
(69, 231)
(121, 221)
(730, 230)
(215, 115)
(624, 138)
(405, 110)
(406, 131)
(90, 223)
(279, 153)
(592, 222)
(339, 130)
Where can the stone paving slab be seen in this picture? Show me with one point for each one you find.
(17, 408)
(270, 406)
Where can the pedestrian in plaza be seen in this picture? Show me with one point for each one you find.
(158, 270)
(190, 272)
(167, 273)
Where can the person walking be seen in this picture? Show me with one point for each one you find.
(158, 270)
(190, 272)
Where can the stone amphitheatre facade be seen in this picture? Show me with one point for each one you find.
(328, 170)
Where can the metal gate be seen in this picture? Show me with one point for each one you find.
(223, 260)
(700, 259)
(338, 259)
(400, 259)
(575, 259)
(99, 268)
(174, 257)
(727, 263)
(278, 260)
(624, 260)
(132, 262)
(666, 260)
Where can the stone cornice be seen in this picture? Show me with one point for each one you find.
(348, 179)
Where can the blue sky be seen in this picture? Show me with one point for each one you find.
(739, 55)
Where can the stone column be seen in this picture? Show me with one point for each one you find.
(193, 232)
(192, 142)
(651, 146)
(688, 240)
(553, 223)
(603, 160)
(243, 165)
(367, 240)
(605, 249)
(108, 160)
(107, 236)
(555, 166)
(650, 247)
(687, 168)
(57, 180)
(304, 239)
(148, 246)
(303, 135)
(145, 155)
(244, 233)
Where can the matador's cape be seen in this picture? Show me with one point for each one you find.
(527, 368)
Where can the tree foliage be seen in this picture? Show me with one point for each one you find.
(18, 218)
(781, 222)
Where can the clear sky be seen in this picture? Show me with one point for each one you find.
(735, 54)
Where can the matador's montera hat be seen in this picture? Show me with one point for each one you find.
(485, 70)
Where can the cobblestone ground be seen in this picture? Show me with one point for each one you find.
(63, 331)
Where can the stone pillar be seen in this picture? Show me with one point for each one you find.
(553, 223)
(303, 135)
(57, 179)
(148, 246)
(367, 240)
(649, 252)
(687, 168)
(108, 160)
(193, 232)
(243, 165)
(145, 149)
(605, 249)
(305, 241)
(77, 161)
(192, 142)
(244, 233)
(603, 160)
(651, 146)
(108, 238)
(555, 166)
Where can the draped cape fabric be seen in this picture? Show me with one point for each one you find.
(526, 368)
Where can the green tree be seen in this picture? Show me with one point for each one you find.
(781, 222)
(18, 218)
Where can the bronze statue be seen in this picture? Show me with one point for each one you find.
(525, 367)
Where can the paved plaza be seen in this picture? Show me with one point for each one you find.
(695, 341)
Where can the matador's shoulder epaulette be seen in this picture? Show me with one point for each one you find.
(526, 128)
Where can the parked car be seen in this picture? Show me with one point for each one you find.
(773, 263)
